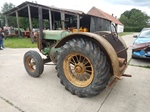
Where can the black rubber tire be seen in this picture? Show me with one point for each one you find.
(98, 60)
(38, 63)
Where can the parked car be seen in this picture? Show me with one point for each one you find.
(143, 37)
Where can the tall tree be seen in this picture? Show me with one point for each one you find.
(134, 18)
(6, 7)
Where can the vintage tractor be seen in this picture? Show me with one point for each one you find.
(85, 61)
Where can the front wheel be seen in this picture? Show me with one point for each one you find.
(33, 63)
(83, 68)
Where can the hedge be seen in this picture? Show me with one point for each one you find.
(132, 29)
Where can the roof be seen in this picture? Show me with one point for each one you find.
(99, 13)
(23, 10)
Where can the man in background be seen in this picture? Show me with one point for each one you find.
(1, 39)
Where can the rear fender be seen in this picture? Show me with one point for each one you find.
(101, 42)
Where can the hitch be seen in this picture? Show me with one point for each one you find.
(116, 79)
(126, 75)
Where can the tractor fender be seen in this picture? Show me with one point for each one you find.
(101, 42)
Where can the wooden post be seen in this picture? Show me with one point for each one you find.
(63, 20)
(78, 23)
(53, 17)
(30, 21)
(18, 23)
(41, 23)
(40, 28)
(6, 21)
(50, 20)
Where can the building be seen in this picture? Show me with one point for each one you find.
(103, 19)
(94, 20)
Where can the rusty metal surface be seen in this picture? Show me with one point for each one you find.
(112, 82)
(39, 42)
(139, 46)
(127, 75)
(119, 45)
(120, 48)
(115, 79)
(122, 66)
(30, 64)
(122, 61)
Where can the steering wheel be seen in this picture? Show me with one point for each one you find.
(114, 32)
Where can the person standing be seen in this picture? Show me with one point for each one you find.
(3, 42)
(1, 39)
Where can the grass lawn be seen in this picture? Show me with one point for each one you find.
(125, 33)
(19, 42)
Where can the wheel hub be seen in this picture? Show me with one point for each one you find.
(79, 69)
(30, 62)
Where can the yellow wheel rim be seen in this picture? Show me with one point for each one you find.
(78, 69)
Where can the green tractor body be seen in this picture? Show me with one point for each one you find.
(55, 34)
(50, 38)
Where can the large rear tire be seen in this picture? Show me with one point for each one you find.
(83, 68)
(33, 63)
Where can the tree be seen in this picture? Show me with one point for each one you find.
(5, 8)
(134, 18)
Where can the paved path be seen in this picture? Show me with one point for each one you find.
(21, 93)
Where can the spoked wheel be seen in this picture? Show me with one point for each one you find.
(78, 69)
(33, 63)
(83, 68)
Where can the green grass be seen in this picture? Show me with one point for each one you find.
(140, 66)
(146, 66)
(125, 33)
(19, 42)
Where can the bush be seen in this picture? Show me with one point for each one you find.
(132, 29)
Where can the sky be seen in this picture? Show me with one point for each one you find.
(115, 7)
